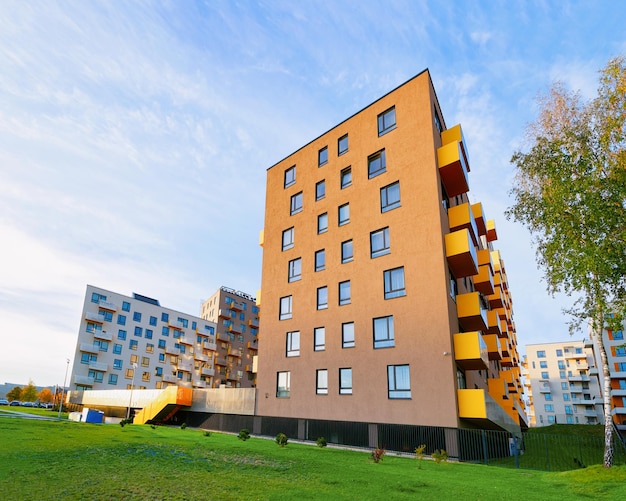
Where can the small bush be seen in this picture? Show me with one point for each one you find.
(124, 422)
(207, 433)
(419, 454)
(281, 439)
(440, 456)
(321, 442)
(378, 454)
(244, 434)
(153, 426)
(183, 426)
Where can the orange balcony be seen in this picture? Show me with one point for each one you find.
(493, 323)
(236, 306)
(462, 216)
(498, 388)
(224, 313)
(485, 258)
(254, 323)
(479, 407)
(471, 312)
(496, 300)
(483, 280)
(479, 217)
(504, 346)
(491, 231)
(456, 134)
(453, 168)
(470, 351)
(262, 238)
(252, 345)
(461, 254)
(493, 346)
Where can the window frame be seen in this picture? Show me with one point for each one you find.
(296, 203)
(283, 384)
(372, 160)
(320, 184)
(341, 151)
(385, 204)
(288, 179)
(348, 337)
(320, 387)
(292, 341)
(343, 214)
(343, 288)
(285, 308)
(322, 223)
(294, 270)
(385, 241)
(289, 232)
(345, 376)
(383, 336)
(347, 251)
(319, 333)
(382, 121)
(317, 266)
(388, 283)
(394, 391)
(345, 177)
(322, 156)
(322, 305)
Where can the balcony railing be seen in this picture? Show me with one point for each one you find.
(207, 371)
(471, 313)
(461, 254)
(94, 317)
(88, 348)
(470, 351)
(107, 305)
(100, 334)
(83, 380)
(98, 366)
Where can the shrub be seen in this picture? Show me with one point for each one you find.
(183, 426)
(440, 456)
(377, 455)
(124, 422)
(281, 439)
(207, 433)
(419, 454)
(244, 434)
(321, 442)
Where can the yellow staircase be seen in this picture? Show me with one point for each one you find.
(162, 408)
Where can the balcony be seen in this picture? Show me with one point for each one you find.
(169, 378)
(185, 366)
(576, 389)
(187, 341)
(574, 356)
(253, 323)
(588, 401)
(478, 406)
(262, 238)
(207, 371)
(100, 334)
(201, 357)
(209, 345)
(222, 336)
(470, 351)
(618, 374)
(221, 361)
(88, 348)
(234, 352)
(491, 231)
(98, 366)
(470, 311)
(176, 324)
(498, 389)
(83, 380)
(252, 345)
(504, 346)
(493, 346)
(107, 305)
(198, 383)
(170, 349)
(496, 300)
(461, 254)
(493, 323)
(462, 217)
(453, 168)
(483, 280)
(224, 313)
(234, 329)
(479, 217)
(578, 378)
(545, 389)
(94, 317)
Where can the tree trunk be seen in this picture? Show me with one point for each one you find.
(606, 395)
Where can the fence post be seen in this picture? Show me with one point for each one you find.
(485, 451)
(545, 441)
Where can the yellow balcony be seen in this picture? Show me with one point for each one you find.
(491, 231)
(254, 323)
(496, 300)
(493, 346)
(453, 168)
(462, 216)
(471, 312)
(470, 351)
(258, 299)
(479, 217)
(493, 323)
(485, 258)
(498, 389)
(262, 238)
(504, 346)
(483, 280)
(252, 345)
(479, 407)
(223, 313)
(461, 254)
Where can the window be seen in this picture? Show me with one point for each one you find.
(296, 203)
(549, 407)
(153, 321)
(101, 345)
(344, 214)
(565, 396)
(379, 242)
(383, 332)
(438, 122)
(544, 375)
(376, 164)
(97, 376)
(136, 316)
(346, 251)
(543, 364)
(112, 378)
(562, 374)
(342, 145)
(130, 373)
(321, 385)
(453, 286)
(85, 358)
(283, 384)
(138, 331)
(149, 348)
(620, 351)
(145, 361)
(398, 381)
(293, 344)
(285, 308)
(121, 319)
(320, 260)
(295, 270)
(319, 339)
(320, 190)
(618, 335)
(551, 419)
(162, 357)
(165, 317)
(347, 335)
(149, 333)
(561, 364)
(322, 298)
(344, 293)
(158, 372)
(548, 396)
(559, 353)
(322, 156)
(125, 306)
(287, 239)
(345, 381)
(165, 331)
(564, 386)
(322, 223)
(621, 367)
(387, 121)
(133, 344)
(346, 177)
(117, 349)
(96, 298)
(390, 197)
(117, 363)
(568, 409)
(145, 376)
(290, 176)
(394, 283)
(541, 354)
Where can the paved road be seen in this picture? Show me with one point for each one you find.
(26, 415)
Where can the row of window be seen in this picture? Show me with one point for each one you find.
(559, 352)
(383, 336)
(398, 382)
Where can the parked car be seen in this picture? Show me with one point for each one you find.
(15, 403)
(4, 401)
(29, 404)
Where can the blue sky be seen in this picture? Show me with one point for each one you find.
(135, 136)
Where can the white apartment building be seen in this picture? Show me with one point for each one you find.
(564, 384)
(133, 341)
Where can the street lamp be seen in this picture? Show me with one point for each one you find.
(67, 366)
(132, 385)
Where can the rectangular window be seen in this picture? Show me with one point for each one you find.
(149, 348)
(319, 339)
(138, 331)
(562, 374)
(564, 386)
(394, 283)
(295, 270)
(290, 176)
(322, 156)
(133, 344)
(145, 376)
(541, 354)
(145, 361)
(117, 363)
(130, 373)
(85, 358)
(398, 381)
(296, 203)
(618, 335)
(321, 386)
(383, 332)
(283, 384)
(96, 298)
(112, 378)
(117, 349)
(561, 364)
(342, 145)
(125, 306)
(293, 344)
(165, 331)
(376, 164)
(153, 321)
(121, 319)
(346, 177)
(544, 375)
(390, 197)
(559, 353)
(320, 260)
(121, 335)
(159, 372)
(345, 381)
(565, 396)
(346, 251)
(548, 396)
(549, 407)
(322, 298)
(136, 316)
(344, 214)
(285, 308)
(387, 121)
(288, 239)
(347, 335)
(320, 190)
(543, 365)
(149, 333)
(379, 242)
(322, 223)
(165, 317)
(344, 293)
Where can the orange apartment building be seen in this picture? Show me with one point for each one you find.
(384, 299)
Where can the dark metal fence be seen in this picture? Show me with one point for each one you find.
(534, 450)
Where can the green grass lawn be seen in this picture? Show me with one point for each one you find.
(68, 460)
